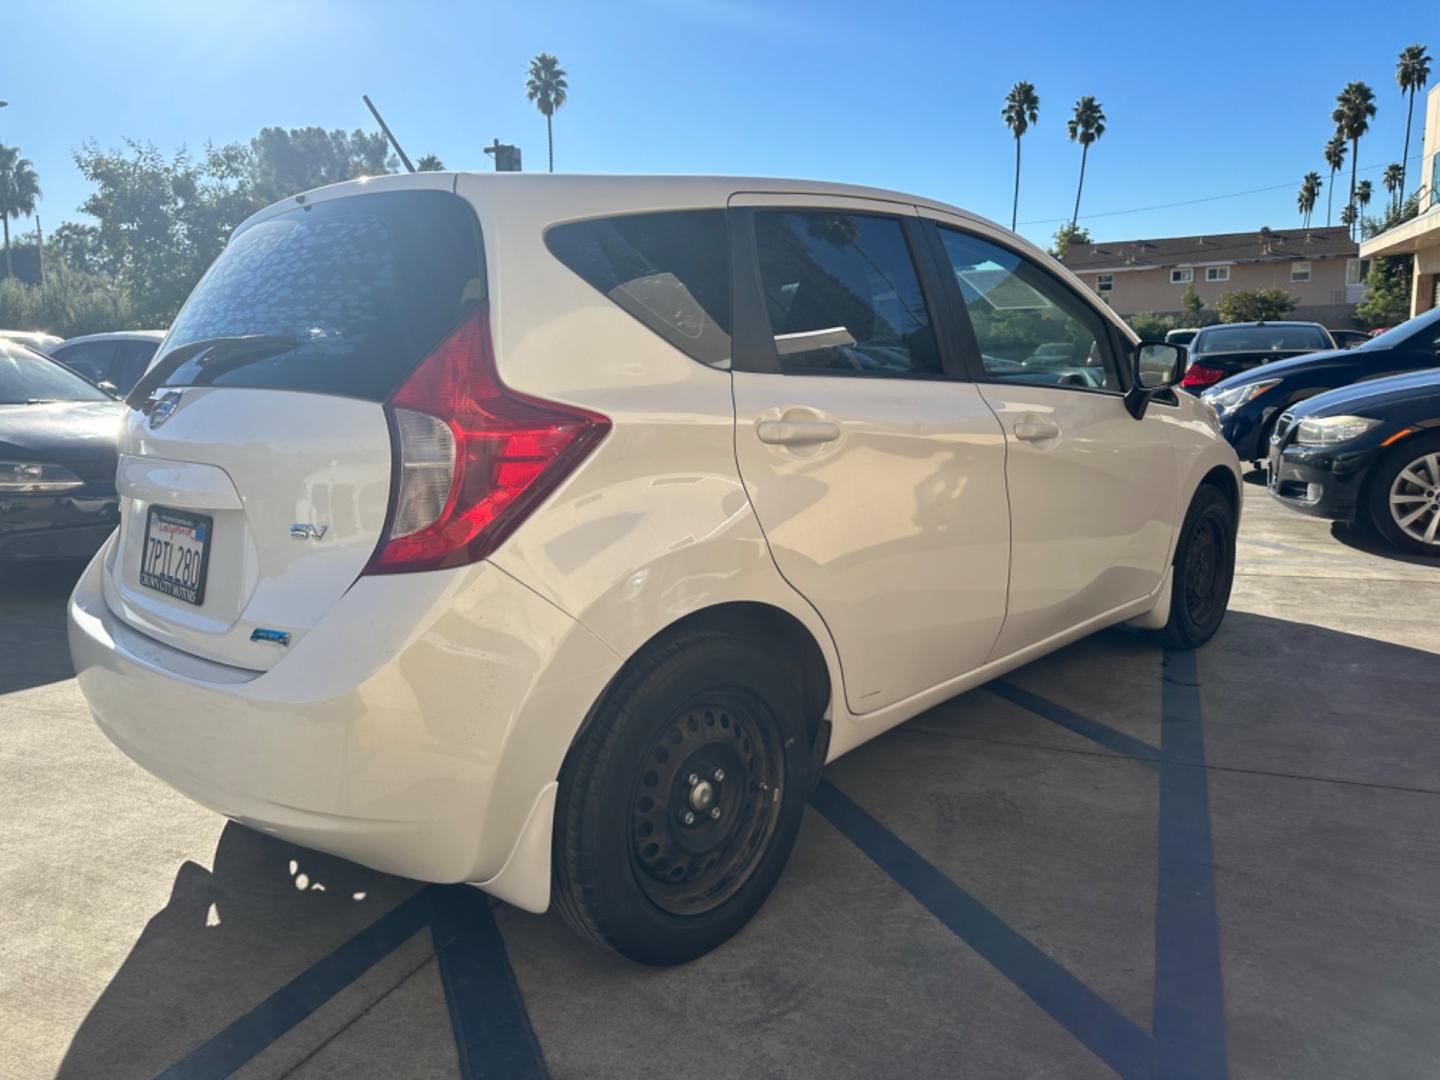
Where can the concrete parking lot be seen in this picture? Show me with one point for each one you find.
(1114, 861)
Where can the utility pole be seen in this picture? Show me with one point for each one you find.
(507, 158)
(40, 248)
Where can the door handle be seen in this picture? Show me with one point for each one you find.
(797, 432)
(1034, 428)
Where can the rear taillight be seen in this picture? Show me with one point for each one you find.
(1200, 375)
(472, 457)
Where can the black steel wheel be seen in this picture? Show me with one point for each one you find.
(681, 799)
(1204, 570)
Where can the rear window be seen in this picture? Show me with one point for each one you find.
(27, 377)
(670, 270)
(1224, 339)
(365, 286)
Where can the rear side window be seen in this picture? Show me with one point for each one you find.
(365, 286)
(842, 294)
(670, 270)
(90, 358)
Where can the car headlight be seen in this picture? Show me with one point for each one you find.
(1226, 400)
(1332, 430)
(32, 478)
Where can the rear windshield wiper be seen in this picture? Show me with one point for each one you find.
(215, 356)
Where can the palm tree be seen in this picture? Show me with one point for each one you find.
(1394, 181)
(1348, 215)
(429, 163)
(1022, 108)
(19, 188)
(1335, 158)
(546, 87)
(1309, 194)
(1354, 106)
(1363, 191)
(1412, 71)
(1087, 125)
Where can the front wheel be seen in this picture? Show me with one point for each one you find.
(680, 803)
(1404, 496)
(1204, 570)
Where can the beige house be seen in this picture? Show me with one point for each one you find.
(1420, 236)
(1320, 267)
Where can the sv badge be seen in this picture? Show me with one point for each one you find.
(303, 531)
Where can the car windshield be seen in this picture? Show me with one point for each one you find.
(27, 377)
(1423, 328)
(1260, 338)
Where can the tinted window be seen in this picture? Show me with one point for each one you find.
(670, 270)
(1029, 326)
(1223, 339)
(842, 294)
(364, 286)
(1417, 334)
(90, 358)
(26, 376)
(134, 358)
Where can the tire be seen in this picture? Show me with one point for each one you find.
(1204, 570)
(1409, 475)
(630, 873)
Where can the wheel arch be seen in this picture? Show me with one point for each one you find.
(1223, 478)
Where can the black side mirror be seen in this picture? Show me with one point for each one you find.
(1154, 366)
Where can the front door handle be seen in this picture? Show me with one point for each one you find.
(1034, 428)
(797, 432)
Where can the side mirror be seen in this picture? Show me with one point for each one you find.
(1155, 366)
(109, 388)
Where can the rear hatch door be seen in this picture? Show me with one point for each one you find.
(255, 461)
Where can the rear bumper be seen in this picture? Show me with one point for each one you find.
(64, 526)
(412, 731)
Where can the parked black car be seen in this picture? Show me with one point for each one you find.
(58, 437)
(1350, 339)
(1250, 403)
(1225, 349)
(1369, 451)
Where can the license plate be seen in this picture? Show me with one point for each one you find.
(176, 553)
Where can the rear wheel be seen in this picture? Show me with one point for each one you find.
(1404, 496)
(679, 805)
(1204, 570)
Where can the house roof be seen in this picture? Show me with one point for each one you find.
(1264, 245)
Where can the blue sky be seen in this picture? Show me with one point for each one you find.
(1203, 100)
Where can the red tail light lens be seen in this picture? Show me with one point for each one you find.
(1200, 375)
(472, 457)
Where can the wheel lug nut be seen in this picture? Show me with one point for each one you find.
(688, 818)
(715, 812)
(719, 775)
(693, 779)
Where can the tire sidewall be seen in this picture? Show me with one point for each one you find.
(1183, 629)
(1382, 475)
(634, 925)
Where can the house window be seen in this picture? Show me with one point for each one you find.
(1217, 273)
(1104, 284)
(1300, 270)
(1182, 276)
(1355, 270)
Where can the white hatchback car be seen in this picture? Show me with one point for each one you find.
(551, 533)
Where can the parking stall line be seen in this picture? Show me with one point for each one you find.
(1101, 734)
(1077, 1008)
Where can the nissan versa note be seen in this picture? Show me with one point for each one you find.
(551, 533)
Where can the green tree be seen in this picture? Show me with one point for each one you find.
(70, 302)
(1387, 292)
(547, 88)
(1068, 233)
(1349, 216)
(282, 162)
(1363, 192)
(1354, 106)
(1412, 71)
(1087, 125)
(1307, 196)
(1394, 180)
(19, 188)
(1151, 327)
(1022, 108)
(1254, 305)
(1193, 306)
(1335, 158)
(429, 163)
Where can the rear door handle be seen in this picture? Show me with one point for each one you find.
(1035, 429)
(797, 432)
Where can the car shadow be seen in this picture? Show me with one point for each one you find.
(1363, 537)
(226, 939)
(1254, 476)
(33, 649)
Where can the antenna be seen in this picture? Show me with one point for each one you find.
(386, 128)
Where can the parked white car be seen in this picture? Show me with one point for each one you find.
(551, 533)
(35, 339)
